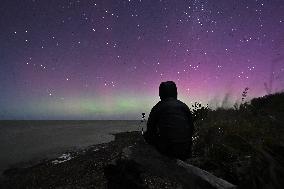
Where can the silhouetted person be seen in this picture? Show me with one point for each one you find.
(170, 124)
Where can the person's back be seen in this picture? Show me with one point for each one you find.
(170, 124)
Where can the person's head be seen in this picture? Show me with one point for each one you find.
(168, 89)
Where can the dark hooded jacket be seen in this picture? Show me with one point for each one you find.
(170, 121)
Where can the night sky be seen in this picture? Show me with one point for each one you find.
(105, 59)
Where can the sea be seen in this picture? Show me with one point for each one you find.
(26, 142)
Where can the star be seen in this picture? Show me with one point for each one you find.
(203, 46)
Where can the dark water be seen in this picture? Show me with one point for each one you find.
(31, 141)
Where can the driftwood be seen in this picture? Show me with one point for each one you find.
(146, 159)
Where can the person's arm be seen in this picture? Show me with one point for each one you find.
(151, 133)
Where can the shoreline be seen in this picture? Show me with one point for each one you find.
(89, 161)
(25, 142)
(104, 166)
(45, 157)
(57, 153)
